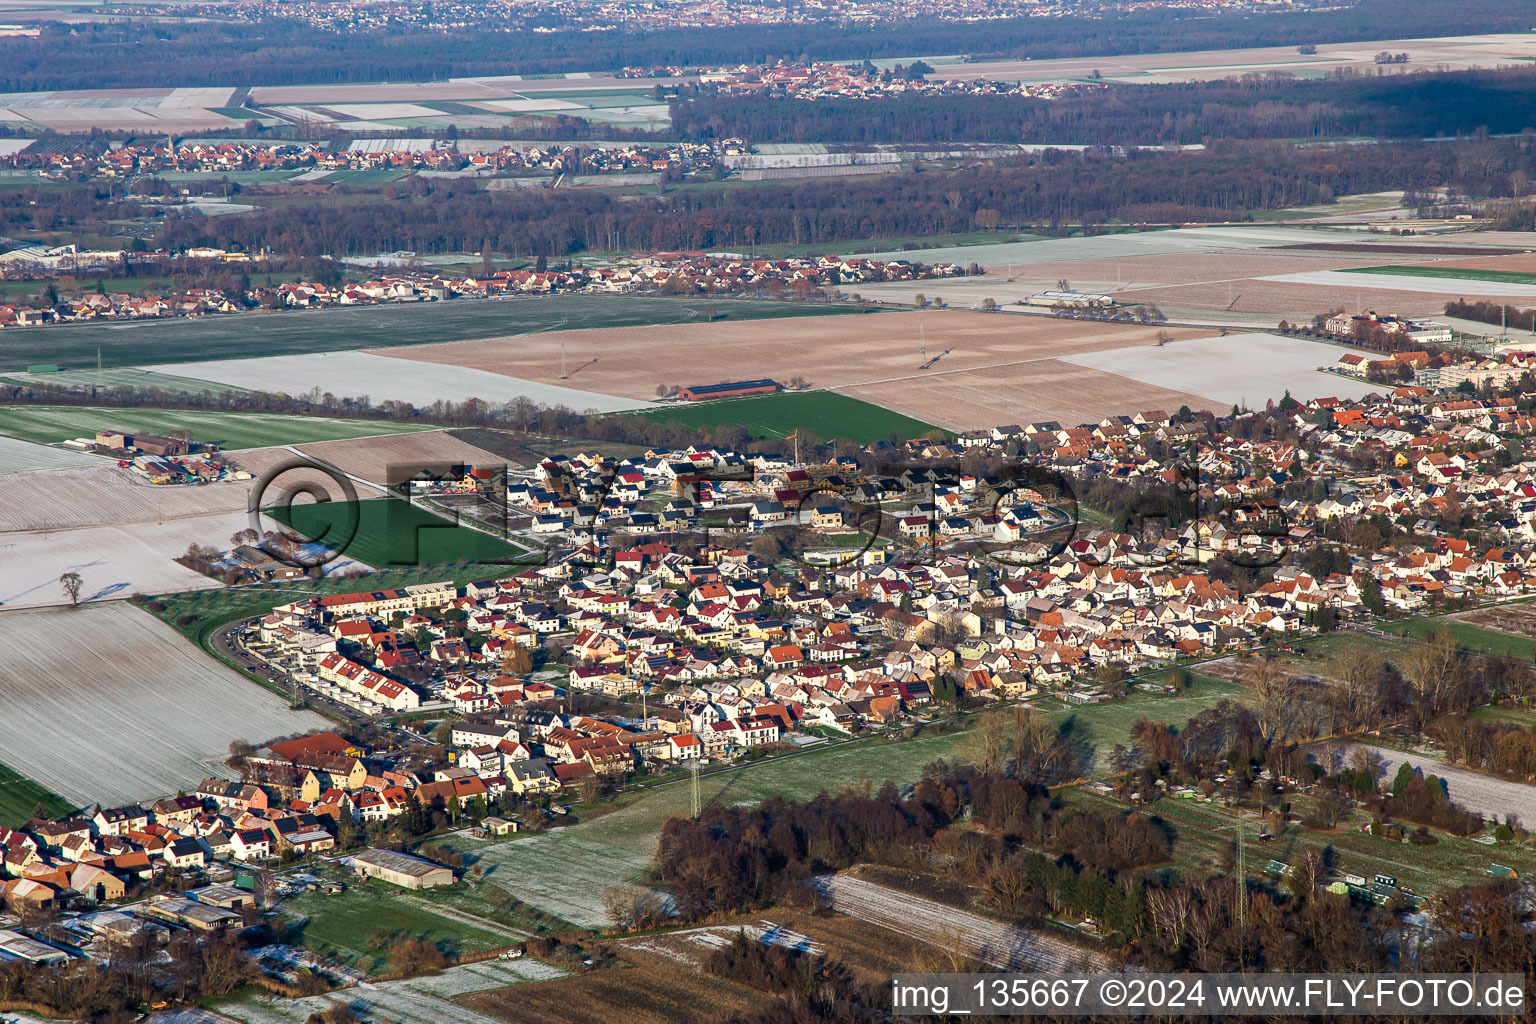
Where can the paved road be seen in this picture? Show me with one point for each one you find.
(1487, 795)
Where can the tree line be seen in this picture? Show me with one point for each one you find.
(279, 51)
(1046, 191)
(1346, 104)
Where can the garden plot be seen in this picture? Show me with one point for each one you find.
(19, 456)
(384, 378)
(1514, 619)
(412, 1001)
(119, 707)
(1242, 369)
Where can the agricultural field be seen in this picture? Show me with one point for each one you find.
(825, 413)
(230, 430)
(392, 532)
(18, 456)
(1462, 273)
(360, 925)
(423, 1000)
(381, 460)
(905, 362)
(19, 797)
(141, 342)
(651, 987)
(1234, 276)
(102, 494)
(119, 377)
(142, 712)
(113, 560)
(1460, 52)
(381, 377)
(1242, 369)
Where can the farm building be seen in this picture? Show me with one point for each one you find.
(1070, 299)
(16, 946)
(151, 444)
(732, 389)
(401, 869)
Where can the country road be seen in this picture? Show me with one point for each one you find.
(1483, 794)
(985, 940)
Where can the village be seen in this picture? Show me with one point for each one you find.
(656, 273)
(706, 606)
(132, 161)
(826, 80)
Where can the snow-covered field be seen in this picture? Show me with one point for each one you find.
(106, 703)
(565, 871)
(117, 560)
(1406, 283)
(17, 456)
(382, 377)
(413, 1001)
(100, 493)
(1483, 794)
(113, 561)
(1142, 243)
(1241, 368)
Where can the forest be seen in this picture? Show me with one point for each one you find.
(125, 54)
(1348, 104)
(1048, 192)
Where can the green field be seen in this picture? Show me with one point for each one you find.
(1096, 728)
(359, 925)
(75, 346)
(1452, 273)
(123, 377)
(391, 533)
(829, 415)
(53, 423)
(1473, 638)
(19, 796)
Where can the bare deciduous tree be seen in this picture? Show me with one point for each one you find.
(1433, 670)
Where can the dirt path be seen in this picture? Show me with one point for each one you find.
(1483, 794)
(988, 941)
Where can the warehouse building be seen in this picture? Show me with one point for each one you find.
(401, 869)
(731, 389)
(1057, 298)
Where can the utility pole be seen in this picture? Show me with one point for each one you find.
(697, 804)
